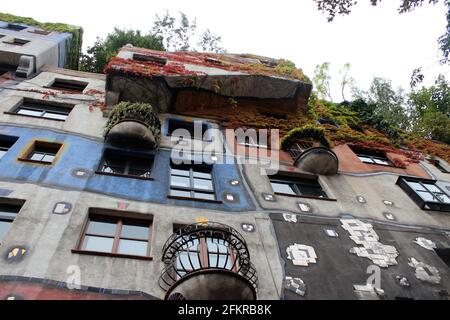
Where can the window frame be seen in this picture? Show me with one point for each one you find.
(205, 125)
(6, 140)
(28, 152)
(127, 156)
(402, 182)
(7, 202)
(42, 106)
(191, 189)
(295, 182)
(69, 82)
(119, 223)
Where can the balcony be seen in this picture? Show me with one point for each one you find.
(208, 262)
(133, 125)
(311, 150)
(314, 158)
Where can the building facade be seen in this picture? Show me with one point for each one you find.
(148, 183)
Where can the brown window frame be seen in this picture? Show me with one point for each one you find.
(119, 222)
(27, 154)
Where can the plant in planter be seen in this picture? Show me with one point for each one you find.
(307, 132)
(142, 113)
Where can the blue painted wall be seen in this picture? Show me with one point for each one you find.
(84, 153)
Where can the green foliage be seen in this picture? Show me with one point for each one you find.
(99, 54)
(74, 47)
(141, 112)
(288, 68)
(308, 131)
(322, 79)
(431, 110)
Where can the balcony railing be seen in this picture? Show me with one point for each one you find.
(211, 249)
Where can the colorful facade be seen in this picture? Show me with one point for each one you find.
(103, 197)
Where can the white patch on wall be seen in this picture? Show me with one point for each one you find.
(424, 271)
(288, 217)
(370, 247)
(425, 243)
(301, 255)
(368, 292)
(295, 285)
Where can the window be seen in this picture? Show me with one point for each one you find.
(372, 156)
(43, 110)
(120, 163)
(14, 27)
(17, 42)
(117, 236)
(8, 213)
(299, 147)
(443, 253)
(425, 193)
(147, 58)
(297, 186)
(6, 143)
(438, 165)
(192, 181)
(251, 142)
(189, 126)
(42, 152)
(41, 32)
(70, 85)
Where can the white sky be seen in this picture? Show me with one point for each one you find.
(376, 41)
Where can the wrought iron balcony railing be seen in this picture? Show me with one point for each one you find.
(206, 248)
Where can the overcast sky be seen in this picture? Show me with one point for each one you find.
(375, 41)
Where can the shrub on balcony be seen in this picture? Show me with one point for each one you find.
(307, 132)
(141, 112)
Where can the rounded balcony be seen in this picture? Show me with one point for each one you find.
(208, 262)
(310, 150)
(133, 125)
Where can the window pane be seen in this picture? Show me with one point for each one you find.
(311, 191)
(203, 184)
(29, 112)
(427, 196)
(51, 115)
(4, 226)
(137, 248)
(133, 231)
(2, 152)
(48, 158)
(179, 172)
(101, 228)
(180, 193)
(282, 188)
(98, 244)
(416, 186)
(442, 197)
(205, 196)
(220, 261)
(139, 173)
(37, 156)
(109, 169)
(216, 245)
(188, 261)
(140, 164)
(365, 159)
(180, 182)
(381, 161)
(432, 187)
(188, 245)
(202, 175)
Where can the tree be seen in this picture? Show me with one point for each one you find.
(343, 7)
(97, 56)
(174, 34)
(322, 80)
(431, 110)
(347, 80)
(168, 33)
